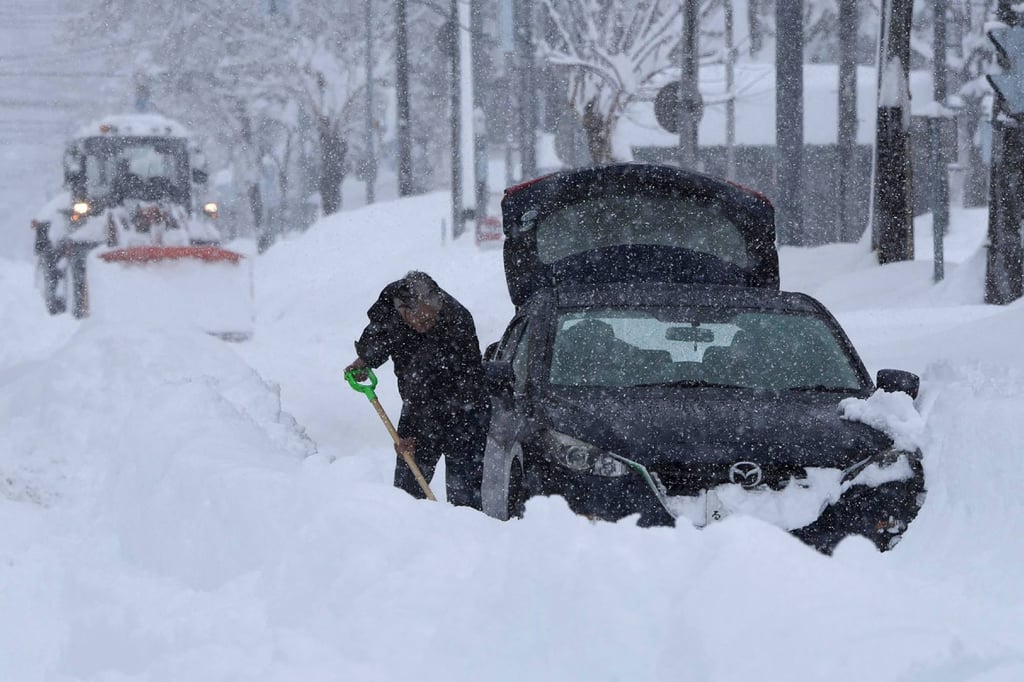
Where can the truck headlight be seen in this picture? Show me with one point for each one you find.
(210, 209)
(585, 458)
(80, 208)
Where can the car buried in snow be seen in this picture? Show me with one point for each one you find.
(695, 393)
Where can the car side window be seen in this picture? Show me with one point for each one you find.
(507, 346)
(520, 361)
(513, 349)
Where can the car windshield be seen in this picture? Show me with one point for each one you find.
(596, 222)
(763, 349)
(136, 168)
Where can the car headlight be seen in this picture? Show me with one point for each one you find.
(210, 209)
(585, 458)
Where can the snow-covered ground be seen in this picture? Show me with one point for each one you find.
(178, 508)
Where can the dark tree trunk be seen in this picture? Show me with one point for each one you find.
(1004, 272)
(404, 129)
(893, 211)
(789, 119)
(687, 120)
(332, 165)
(940, 175)
(977, 175)
(254, 197)
(263, 236)
(1004, 279)
(455, 113)
(596, 129)
(480, 69)
(846, 137)
(893, 214)
(527, 95)
(754, 21)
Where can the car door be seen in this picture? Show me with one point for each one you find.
(503, 458)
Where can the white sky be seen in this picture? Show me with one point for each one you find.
(164, 519)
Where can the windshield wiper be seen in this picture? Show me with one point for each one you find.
(822, 388)
(687, 383)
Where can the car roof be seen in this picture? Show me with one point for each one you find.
(643, 294)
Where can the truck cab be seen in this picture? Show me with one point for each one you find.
(131, 181)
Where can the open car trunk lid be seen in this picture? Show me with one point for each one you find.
(636, 222)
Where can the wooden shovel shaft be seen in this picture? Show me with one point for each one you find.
(409, 460)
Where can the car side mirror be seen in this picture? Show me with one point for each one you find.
(893, 380)
(491, 351)
(499, 376)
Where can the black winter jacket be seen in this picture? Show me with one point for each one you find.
(437, 371)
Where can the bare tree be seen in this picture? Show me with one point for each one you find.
(612, 49)
(266, 84)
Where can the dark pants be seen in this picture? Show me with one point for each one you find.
(460, 436)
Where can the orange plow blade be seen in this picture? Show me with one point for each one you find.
(152, 254)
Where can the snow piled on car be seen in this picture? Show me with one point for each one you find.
(891, 413)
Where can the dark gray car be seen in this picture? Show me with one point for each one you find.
(693, 402)
(654, 368)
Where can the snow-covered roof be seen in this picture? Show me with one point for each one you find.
(134, 124)
(755, 106)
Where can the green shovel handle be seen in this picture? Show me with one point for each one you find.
(367, 388)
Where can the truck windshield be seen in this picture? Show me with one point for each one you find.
(764, 349)
(146, 168)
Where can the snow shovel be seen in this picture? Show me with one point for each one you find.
(367, 390)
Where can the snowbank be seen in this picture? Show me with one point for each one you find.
(179, 508)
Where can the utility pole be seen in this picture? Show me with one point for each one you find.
(404, 131)
(789, 118)
(476, 30)
(458, 224)
(846, 135)
(936, 124)
(464, 82)
(509, 120)
(730, 88)
(523, 15)
(371, 152)
(689, 89)
(893, 220)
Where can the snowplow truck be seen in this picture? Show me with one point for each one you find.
(135, 227)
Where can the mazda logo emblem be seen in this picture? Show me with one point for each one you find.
(746, 474)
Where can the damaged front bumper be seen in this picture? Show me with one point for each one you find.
(876, 498)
